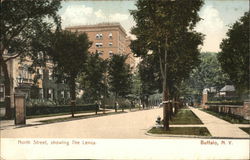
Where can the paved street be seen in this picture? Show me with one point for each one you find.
(123, 125)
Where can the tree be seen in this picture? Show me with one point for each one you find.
(234, 55)
(119, 74)
(22, 22)
(207, 74)
(166, 28)
(69, 52)
(93, 79)
(136, 86)
(149, 77)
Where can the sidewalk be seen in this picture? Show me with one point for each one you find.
(220, 128)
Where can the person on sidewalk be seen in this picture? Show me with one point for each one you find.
(96, 107)
(116, 106)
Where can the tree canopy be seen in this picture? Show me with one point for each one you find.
(158, 20)
(234, 55)
(93, 79)
(119, 73)
(149, 77)
(22, 22)
(208, 74)
(69, 53)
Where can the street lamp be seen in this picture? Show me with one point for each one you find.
(20, 80)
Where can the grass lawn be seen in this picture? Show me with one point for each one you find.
(198, 131)
(230, 118)
(247, 130)
(185, 116)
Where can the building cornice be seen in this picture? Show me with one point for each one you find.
(97, 26)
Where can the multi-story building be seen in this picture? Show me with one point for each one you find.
(38, 83)
(108, 39)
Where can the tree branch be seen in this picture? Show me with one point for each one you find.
(12, 57)
(17, 31)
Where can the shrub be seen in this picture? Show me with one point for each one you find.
(224, 103)
(125, 104)
(43, 110)
(2, 104)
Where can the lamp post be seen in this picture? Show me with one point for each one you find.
(20, 80)
(105, 92)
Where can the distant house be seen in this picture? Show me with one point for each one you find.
(206, 93)
(227, 91)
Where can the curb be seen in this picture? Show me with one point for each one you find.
(192, 136)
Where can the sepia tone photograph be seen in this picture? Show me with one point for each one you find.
(124, 79)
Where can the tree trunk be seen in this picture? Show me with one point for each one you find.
(116, 104)
(146, 102)
(73, 96)
(7, 85)
(165, 110)
(176, 106)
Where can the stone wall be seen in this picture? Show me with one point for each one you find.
(240, 110)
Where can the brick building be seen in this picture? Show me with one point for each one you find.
(108, 39)
(38, 84)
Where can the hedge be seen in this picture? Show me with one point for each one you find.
(225, 103)
(43, 110)
(2, 104)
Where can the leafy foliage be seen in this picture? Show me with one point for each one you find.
(23, 22)
(93, 79)
(149, 75)
(119, 76)
(165, 28)
(234, 57)
(157, 19)
(69, 52)
(136, 86)
(207, 74)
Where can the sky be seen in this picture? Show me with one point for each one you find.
(217, 15)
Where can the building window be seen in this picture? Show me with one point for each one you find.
(111, 53)
(110, 44)
(110, 36)
(100, 53)
(98, 45)
(99, 36)
(24, 76)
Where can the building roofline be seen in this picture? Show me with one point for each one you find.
(104, 24)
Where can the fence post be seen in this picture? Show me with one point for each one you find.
(20, 109)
